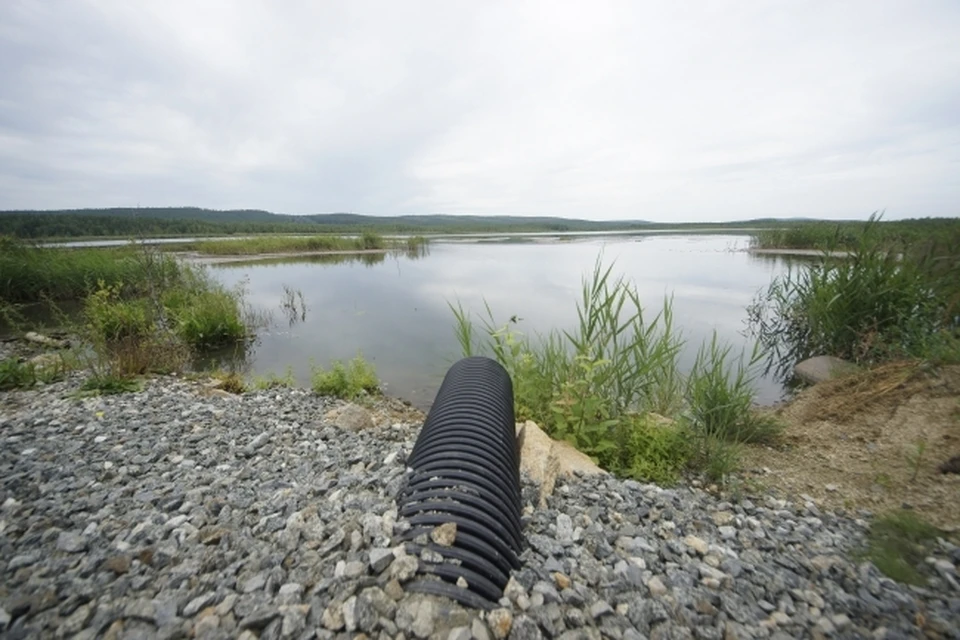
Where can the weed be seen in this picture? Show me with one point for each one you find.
(16, 375)
(274, 381)
(915, 457)
(898, 544)
(720, 397)
(348, 381)
(230, 381)
(109, 384)
(293, 305)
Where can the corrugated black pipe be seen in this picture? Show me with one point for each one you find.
(465, 469)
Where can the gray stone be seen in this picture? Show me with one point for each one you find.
(822, 368)
(380, 559)
(524, 628)
(198, 603)
(71, 542)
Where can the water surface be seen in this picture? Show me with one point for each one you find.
(395, 310)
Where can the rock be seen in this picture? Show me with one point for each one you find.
(404, 567)
(822, 368)
(71, 542)
(950, 466)
(460, 633)
(544, 460)
(198, 603)
(332, 618)
(445, 535)
(38, 338)
(500, 622)
(697, 544)
(561, 580)
(47, 362)
(525, 628)
(351, 417)
(380, 559)
(656, 586)
(119, 564)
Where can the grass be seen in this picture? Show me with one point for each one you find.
(275, 381)
(141, 310)
(230, 381)
(104, 384)
(32, 274)
(879, 304)
(16, 375)
(348, 381)
(597, 386)
(367, 241)
(824, 235)
(898, 544)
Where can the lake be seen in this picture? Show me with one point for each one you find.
(395, 310)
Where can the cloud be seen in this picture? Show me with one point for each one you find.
(661, 111)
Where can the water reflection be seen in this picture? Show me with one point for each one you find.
(396, 312)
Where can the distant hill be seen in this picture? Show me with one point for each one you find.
(197, 221)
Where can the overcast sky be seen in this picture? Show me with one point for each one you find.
(661, 111)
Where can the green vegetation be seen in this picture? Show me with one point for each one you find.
(898, 544)
(348, 381)
(880, 303)
(601, 386)
(846, 236)
(16, 375)
(141, 311)
(105, 384)
(31, 274)
(230, 381)
(275, 381)
(368, 241)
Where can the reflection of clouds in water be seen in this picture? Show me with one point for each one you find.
(396, 312)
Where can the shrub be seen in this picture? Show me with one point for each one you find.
(592, 386)
(877, 304)
(349, 381)
(112, 318)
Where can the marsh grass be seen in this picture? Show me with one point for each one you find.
(881, 303)
(597, 385)
(31, 274)
(367, 241)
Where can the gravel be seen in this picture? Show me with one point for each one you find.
(169, 514)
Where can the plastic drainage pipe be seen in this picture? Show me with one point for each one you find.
(465, 469)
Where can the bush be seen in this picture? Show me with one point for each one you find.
(878, 304)
(112, 318)
(349, 381)
(595, 386)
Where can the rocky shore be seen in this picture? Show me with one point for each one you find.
(175, 513)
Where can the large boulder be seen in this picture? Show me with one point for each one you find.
(351, 417)
(822, 368)
(545, 459)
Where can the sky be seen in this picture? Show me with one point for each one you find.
(651, 110)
